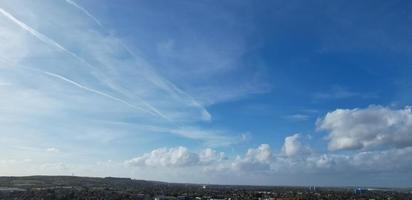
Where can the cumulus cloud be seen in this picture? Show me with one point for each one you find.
(89, 69)
(377, 161)
(175, 157)
(263, 159)
(262, 154)
(390, 160)
(255, 159)
(371, 127)
(293, 158)
(292, 145)
(210, 155)
(163, 157)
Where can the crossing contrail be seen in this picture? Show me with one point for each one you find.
(164, 84)
(51, 42)
(41, 36)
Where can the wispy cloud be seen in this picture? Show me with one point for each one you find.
(162, 83)
(84, 11)
(338, 92)
(42, 37)
(298, 117)
(70, 84)
(211, 137)
(72, 77)
(35, 33)
(93, 90)
(149, 75)
(53, 150)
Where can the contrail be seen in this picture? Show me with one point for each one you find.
(38, 35)
(92, 90)
(169, 86)
(51, 42)
(195, 103)
(86, 12)
(106, 95)
(41, 36)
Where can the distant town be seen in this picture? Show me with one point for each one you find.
(72, 187)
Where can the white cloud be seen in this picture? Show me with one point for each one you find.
(371, 162)
(298, 117)
(212, 137)
(292, 146)
(51, 42)
(392, 160)
(65, 73)
(262, 162)
(210, 155)
(262, 154)
(53, 150)
(11, 38)
(35, 33)
(86, 12)
(177, 157)
(372, 127)
(13, 161)
(163, 157)
(258, 159)
(20, 104)
(40, 108)
(98, 59)
(54, 168)
(215, 94)
(377, 161)
(338, 92)
(264, 159)
(152, 110)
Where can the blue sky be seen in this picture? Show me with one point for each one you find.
(229, 92)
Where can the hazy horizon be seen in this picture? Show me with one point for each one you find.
(221, 92)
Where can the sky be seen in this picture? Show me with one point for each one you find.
(225, 92)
